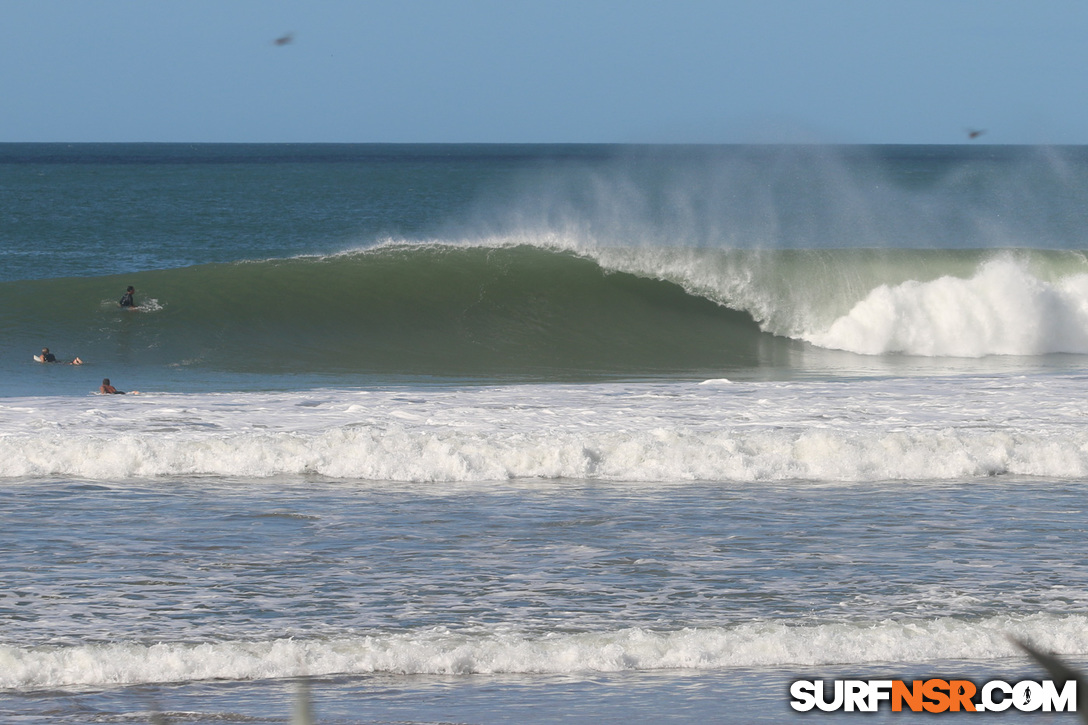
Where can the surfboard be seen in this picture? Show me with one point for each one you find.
(77, 361)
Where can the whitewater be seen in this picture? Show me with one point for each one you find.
(474, 433)
(934, 428)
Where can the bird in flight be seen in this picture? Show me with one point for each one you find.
(974, 133)
(284, 39)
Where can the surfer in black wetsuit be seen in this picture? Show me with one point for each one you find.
(48, 357)
(126, 299)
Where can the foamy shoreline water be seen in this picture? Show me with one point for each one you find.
(445, 652)
(913, 428)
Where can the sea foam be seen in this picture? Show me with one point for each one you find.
(396, 453)
(451, 652)
(1002, 310)
(914, 428)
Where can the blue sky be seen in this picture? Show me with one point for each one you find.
(628, 71)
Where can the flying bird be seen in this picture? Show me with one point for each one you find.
(974, 133)
(1056, 668)
(284, 39)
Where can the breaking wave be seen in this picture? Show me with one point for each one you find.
(448, 652)
(507, 307)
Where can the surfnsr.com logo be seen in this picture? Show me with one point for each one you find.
(933, 695)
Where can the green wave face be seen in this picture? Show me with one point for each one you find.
(430, 310)
(525, 311)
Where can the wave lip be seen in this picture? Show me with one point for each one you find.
(445, 652)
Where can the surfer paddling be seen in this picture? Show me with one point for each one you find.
(107, 389)
(48, 357)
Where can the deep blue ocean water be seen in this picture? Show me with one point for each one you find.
(473, 433)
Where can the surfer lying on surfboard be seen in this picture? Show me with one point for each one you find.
(107, 389)
(48, 357)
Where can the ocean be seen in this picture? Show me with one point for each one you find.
(536, 433)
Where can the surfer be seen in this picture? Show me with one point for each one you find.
(48, 357)
(107, 389)
(126, 298)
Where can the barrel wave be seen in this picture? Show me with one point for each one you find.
(511, 308)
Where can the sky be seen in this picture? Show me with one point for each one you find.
(546, 71)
